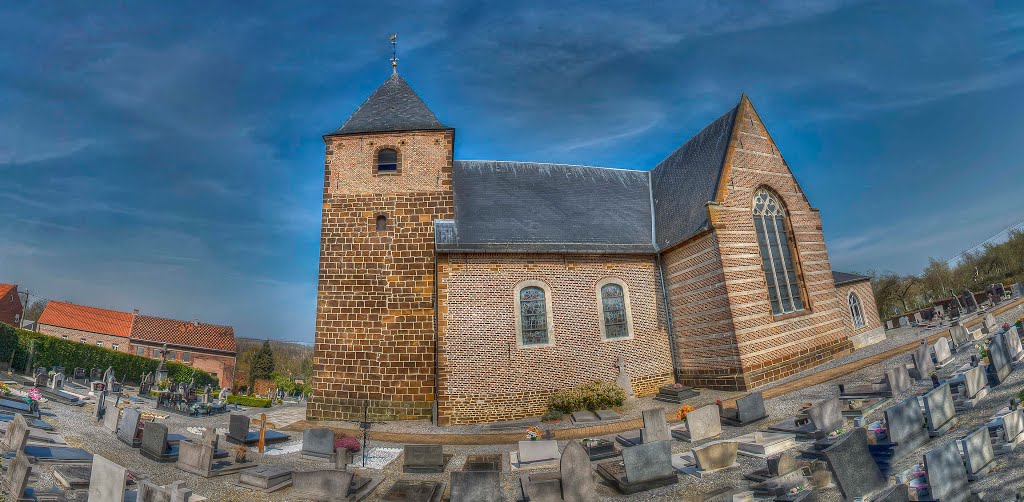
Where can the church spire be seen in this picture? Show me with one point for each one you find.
(394, 53)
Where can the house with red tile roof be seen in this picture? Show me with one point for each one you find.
(208, 347)
(10, 304)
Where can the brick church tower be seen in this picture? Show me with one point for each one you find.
(387, 177)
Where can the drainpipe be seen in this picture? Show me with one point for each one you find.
(668, 320)
(436, 365)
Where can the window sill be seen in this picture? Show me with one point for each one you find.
(791, 315)
(619, 339)
(522, 346)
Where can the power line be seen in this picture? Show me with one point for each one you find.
(1000, 234)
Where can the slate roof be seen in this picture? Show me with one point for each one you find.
(503, 206)
(687, 180)
(90, 319)
(184, 333)
(394, 106)
(841, 278)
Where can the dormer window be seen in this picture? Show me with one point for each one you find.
(387, 160)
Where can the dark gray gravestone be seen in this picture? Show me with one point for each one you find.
(974, 382)
(318, 444)
(154, 443)
(716, 455)
(978, 453)
(898, 379)
(128, 427)
(473, 486)
(655, 426)
(323, 485)
(424, 458)
(101, 406)
(939, 410)
(826, 416)
(107, 481)
(999, 361)
(648, 462)
(853, 468)
(79, 374)
(906, 427)
(238, 427)
(94, 375)
(947, 477)
(577, 477)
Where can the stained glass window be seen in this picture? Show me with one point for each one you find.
(533, 314)
(613, 306)
(855, 311)
(776, 257)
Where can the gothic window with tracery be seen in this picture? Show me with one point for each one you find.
(856, 312)
(776, 254)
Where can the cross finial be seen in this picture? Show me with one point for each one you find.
(394, 53)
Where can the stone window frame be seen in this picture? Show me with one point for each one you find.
(398, 160)
(626, 305)
(853, 300)
(794, 254)
(549, 311)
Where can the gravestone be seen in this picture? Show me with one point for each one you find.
(961, 337)
(655, 426)
(999, 361)
(317, 444)
(749, 409)
(265, 477)
(853, 468)
(94, 375)
(538, 451)
(154, 443)
(1013, 426)
(111, 418)
(648, 462)
(79, 374)
(107, 481)
(906, 427)
(898, 379)
(429, 458)
(41, 379)
(991, 324)
(715, 455)
(414, 491)
(702, 423)
(322, 485)
(826, 416)
(57, 382)
(17, 476)
(128, 427)
(942, 353)
(898, 493)
(198, 458)
(472, 486)
(939, 410)
(978, 453)
(1013, 345)
(238, 428)
(623, 380)
(577, 477)
(223, 395)
(975, 382)
(904, 322)
(947, 477)
(16, 436)
(917, 318)
(922, 360)
(782, 464)
(101, 406)
(1018, 290)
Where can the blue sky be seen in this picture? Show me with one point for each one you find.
(168, 156)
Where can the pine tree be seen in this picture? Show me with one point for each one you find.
(262, 363)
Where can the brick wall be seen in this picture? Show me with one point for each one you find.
(10, 307)
(90, 338)
(867, 305)
(375, 311)
(485, 376)
(215, 363)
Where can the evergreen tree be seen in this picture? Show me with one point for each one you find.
(262, 363)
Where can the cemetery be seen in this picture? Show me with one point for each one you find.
(903, 419)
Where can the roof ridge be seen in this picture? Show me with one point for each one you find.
(562, 164)
(183, 320)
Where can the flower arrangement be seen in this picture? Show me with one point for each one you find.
(4, 389)
(240, 452)
(34, 394)
(982, 350)
(347, 442)
(677, 386)
(683, 411)
(836, 433)
(532, 433)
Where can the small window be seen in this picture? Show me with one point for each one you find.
(186, 357)
(856, 312)
(156, 353)
(533, 312)
(114, 346)
(170, 355)
(64, 337)
(82, 340)
(387, 160)
(139, 350)
(99, 344)
(614, 315)
(382, 223)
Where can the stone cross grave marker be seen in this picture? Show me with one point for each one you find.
(623, 380)
(947, 478)
(318, 444)
(978, 452)
(655, 426)
(939, 410)
(107, 481)
(854, 469)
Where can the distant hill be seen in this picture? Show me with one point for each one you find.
(290, 358)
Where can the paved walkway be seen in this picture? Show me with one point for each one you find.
(812, 377)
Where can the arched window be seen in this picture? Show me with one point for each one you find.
(776, 255)
(613, 301)
(533, 310)
(382, 223)
(387, 160)
(856, 312)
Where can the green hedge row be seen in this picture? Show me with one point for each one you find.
(52, 351)
(252, 402)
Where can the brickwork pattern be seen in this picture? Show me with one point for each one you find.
(375, 310)
(485, 376)
(90, 338)
(867, 305)
(10, 306)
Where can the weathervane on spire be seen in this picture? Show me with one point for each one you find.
(394, 53)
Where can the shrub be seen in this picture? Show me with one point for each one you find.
(52, 351)
(347, 442)
(552, 415)
(592, 396)
(252, 402)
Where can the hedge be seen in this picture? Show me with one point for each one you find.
(252, 402)
(52, 351)
(592, 396)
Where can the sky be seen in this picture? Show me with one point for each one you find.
(168, 156)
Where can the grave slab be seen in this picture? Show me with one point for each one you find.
(853, 468)
(939, 410)
(978, 453)
(266, 478)
(426, 459)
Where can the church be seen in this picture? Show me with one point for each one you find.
(469, 291)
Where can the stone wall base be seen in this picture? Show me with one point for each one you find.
(791, 364)
(379, 410)
(867, 338)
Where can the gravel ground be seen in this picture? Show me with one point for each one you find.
(1007, 477)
